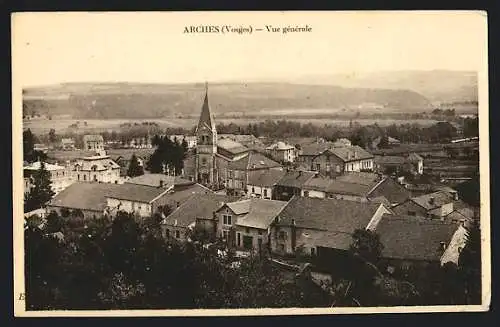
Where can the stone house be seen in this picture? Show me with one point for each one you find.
(93, 143)
(433, 205)
(261, 183)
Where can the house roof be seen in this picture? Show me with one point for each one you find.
(93, 137)
(258, 213)
(100, 163)
(318, 183)
(340, 216)
(381, 199)
(266, 178)
(414, 238)
(412, 157)
(362, 178)
(155, 179)
(280, 146)
(48, 167)
(346, 188)
(342, 142)
(440, 198)
(84, 196)
(136, 192)
(183, 192)
(351, 153)
(231, 146)
(295, 178)
(254, 160)
(315, 148)
(197, 206)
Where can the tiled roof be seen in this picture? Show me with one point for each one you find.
(259, 212)
(266, 178)
(135, 192)
(154, 180)
(381, 199)
(92, 137)
(412, 157)
(314, 148)
(340, 216)
(198, 206)
(231, 146)
(413, 238)
(295, 178)
(84, 196)
(362, 178)
(318, 183)
(433, 200)
(183, 192)
(253, 160)
(351, 153)
(239, 207)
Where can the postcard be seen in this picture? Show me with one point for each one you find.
(250, 163)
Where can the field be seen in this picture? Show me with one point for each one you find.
(43, 126)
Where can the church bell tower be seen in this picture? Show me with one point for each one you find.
(206, 146)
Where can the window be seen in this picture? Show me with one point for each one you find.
(84, 177)
(247, 230)
(327, 167)
(230, 173)
(282, 247)
(167, 232)
(306, 193)
(260, 232)
(90, 147)
(238, 239)
(265, 192)
(78, 176)
(203, 161)
(226, 219)
(313, 251)
(253, 189)
(282, 235)
(225, 235)
(411, 213)
(337, 168)
(318, 167)
(177, 234)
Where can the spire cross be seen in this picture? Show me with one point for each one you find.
(206, 87)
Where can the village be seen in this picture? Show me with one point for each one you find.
(303, 202)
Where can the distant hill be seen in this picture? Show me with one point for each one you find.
(135, 100)
(441, 86)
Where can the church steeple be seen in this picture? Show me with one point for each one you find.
(206, 117)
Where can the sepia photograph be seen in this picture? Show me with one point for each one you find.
(250, 163)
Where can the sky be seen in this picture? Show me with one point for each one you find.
(51, 48)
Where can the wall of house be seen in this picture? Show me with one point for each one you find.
(409, 208)
(372, 225)
(178, 232)
(281, 245)
(221, 227)
(94, 145)
(443, 210)
(359, 165)
(208, 227)
(140, 208)
(254, 233)
(103, 176)
(87, 214)
(260, 191)
(347, 197)
(313, 193)
(327, 164)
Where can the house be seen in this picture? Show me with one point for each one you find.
(313, 225)
(412, 163)
(391, 142)
(181, 193)
(238, 170)
(248, 140)
(292, 184)
(245, 224)
(415, 242)
(361, 187)
(282, 152)
(159, 180)
(433, 205)
(308, 151)
(67, 144)
(190, 140)
(93, 143)
(87, 198)
(141, 142)
(261, 183)
(60, 176)
(197, 213)
(141, 200)
(100, 168)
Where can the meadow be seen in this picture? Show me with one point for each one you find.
(43, 126)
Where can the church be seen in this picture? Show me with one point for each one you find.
(208, 165)
(213, 154)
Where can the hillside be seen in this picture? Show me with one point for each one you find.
(133, 100)
(440, 86)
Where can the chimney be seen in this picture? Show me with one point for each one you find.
(443, 246)
(293, 222)
(455, 196)
(432, 200)
(161, 183)
(355, 154)
(178, 204)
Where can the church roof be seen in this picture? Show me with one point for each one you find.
(206, 117)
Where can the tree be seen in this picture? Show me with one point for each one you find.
(41, 192)
(54, 223)
(134, 169)
(28, 145)
(52, 136)
(366, 244)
